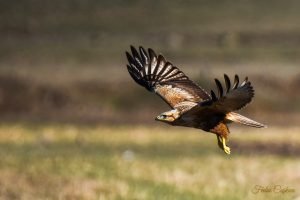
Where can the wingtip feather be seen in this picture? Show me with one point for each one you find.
(220, 88)
(129, 57)
(213, 95)
(227, 82)
(236, 81)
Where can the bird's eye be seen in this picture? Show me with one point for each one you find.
(164, 116)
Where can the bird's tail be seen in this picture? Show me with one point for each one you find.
(235, 117)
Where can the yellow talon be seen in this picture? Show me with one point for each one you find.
(222, 144)
(227, 150)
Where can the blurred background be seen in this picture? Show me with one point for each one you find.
(74, 125)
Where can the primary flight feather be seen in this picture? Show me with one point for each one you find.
(191, 105)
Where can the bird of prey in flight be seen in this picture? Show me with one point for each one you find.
(191, 106)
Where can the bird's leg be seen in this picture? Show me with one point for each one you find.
(222, 144)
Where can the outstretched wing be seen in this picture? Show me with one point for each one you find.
(233, 98)
(160, 76)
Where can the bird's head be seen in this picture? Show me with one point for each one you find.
(168, 116)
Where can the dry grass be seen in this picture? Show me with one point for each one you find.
(122, 162)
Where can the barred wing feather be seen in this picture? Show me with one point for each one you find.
(162, 77)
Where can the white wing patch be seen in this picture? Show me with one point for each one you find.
(185, 106)
(174, 95)
(182, 92)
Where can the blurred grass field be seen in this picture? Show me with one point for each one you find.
(55, 161)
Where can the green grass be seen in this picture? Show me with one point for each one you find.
(122, 162)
